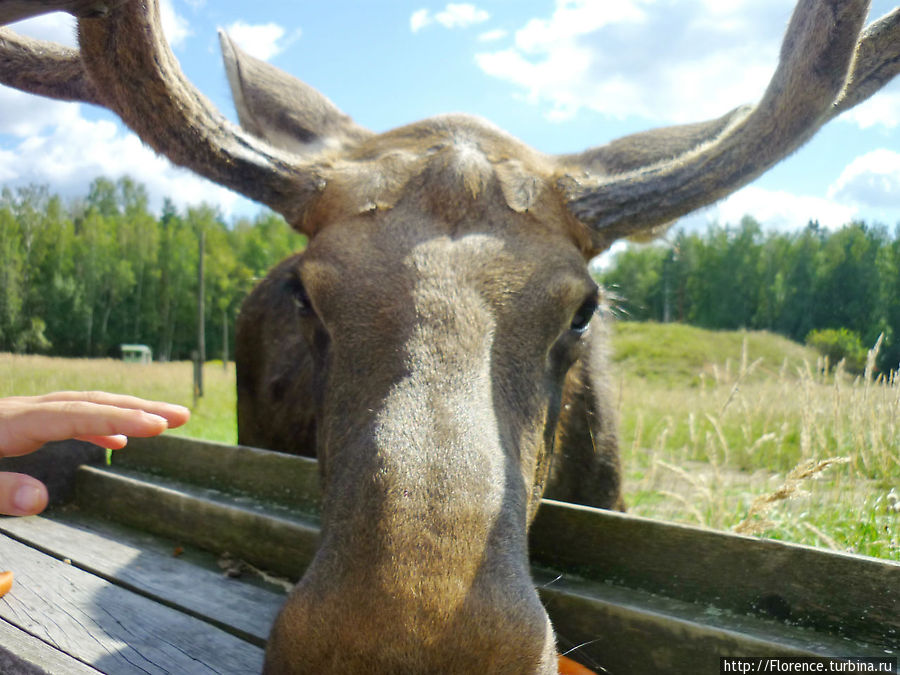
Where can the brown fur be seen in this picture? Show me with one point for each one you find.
(423, 344)
(436, 382)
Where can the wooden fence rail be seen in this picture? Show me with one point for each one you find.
(626, 594)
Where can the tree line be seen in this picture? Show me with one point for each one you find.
(81, 278)
(809, 285)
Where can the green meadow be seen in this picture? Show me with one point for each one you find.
(741, 431)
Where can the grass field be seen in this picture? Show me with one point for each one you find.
(729, 430)
(752, 433)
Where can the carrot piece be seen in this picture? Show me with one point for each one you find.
(569, 667)
(6, 581)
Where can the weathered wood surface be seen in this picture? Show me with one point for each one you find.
(110, 628)
(263, 474)
(631, 595)
(266, 535)
(25, 654)
(848, 595)
(623, 630)
(151, 568)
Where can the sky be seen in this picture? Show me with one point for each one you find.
(561, 75)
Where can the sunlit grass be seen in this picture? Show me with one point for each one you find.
(742, 443)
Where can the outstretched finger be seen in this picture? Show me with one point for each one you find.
(114, 442)
(30, 425)
(21, 495)
(175, 415)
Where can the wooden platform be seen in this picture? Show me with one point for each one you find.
(127, 577)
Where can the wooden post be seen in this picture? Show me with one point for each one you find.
(225, 339)
(201, 336)
(195, 360)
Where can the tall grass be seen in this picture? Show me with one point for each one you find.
(799, 452)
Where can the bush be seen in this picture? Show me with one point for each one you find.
(839, 344)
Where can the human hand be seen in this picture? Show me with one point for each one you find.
(27, 422)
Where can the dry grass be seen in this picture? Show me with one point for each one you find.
(803, 453)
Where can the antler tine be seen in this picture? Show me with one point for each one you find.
(877, 62)
(817, 53)
(129, 61)
(652, 146)
(44, 68)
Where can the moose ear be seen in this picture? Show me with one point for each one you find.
(282, 110)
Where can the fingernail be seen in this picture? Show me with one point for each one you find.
(28, 498)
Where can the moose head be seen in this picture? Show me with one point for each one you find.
(439, 323)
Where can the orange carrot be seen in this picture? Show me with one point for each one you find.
(6, 579)
(569, 667)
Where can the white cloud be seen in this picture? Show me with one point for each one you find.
(666, 62)
(56, 27)
(493, 35)
(24, 114)
(872, 179)
(774, 209)
(883, 108)
(175, 27)
(454, 15)
(78, 150)
(461, 15)
(261, 40)
(6, 166)
(419, 19)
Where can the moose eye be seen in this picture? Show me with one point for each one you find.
(583, 316)
(298, 296)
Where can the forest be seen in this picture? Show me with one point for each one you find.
(81, 277)
(838, 290)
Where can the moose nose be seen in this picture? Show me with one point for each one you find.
(379, 631)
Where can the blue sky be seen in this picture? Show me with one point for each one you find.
(561, 75)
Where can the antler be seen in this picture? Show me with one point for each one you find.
(44, 68)
(16, 10)
(129, 60)
(877, 61)
(126, 65)
(823, 71)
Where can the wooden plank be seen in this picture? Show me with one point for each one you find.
(30, 655)
(112, 629)
(264, 474)
(239, 608)
(790, 593)
(851, 596)
(622, 630)
(275, 539)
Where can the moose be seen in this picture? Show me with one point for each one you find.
(435, 346)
